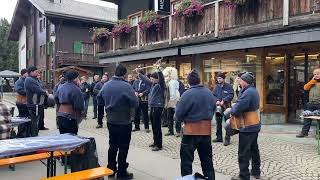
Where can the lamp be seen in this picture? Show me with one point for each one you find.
(53, 37)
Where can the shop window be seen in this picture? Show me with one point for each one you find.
(134, 20)
(231, 63)
(184, 69)
(275, 79)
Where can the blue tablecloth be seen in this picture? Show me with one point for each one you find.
(61, 142)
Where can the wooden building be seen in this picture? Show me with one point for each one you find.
(55, 33)
(277, 40)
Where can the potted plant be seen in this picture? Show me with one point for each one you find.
(100, 34)
(150, 20)
(189, 8)
(121, 28)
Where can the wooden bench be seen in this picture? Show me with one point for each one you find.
(84, 175)
(316, 118)
(29, 158)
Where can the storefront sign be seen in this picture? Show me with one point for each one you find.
(162, 6)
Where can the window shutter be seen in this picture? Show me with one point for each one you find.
(77, 47)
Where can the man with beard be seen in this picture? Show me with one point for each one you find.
(120, 101)
(96, 90)
(245, 114)
(313, 86)
(224, 94)
(71, 104)
(34, 91)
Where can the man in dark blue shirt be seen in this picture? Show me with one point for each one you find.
(247, 107)
(21, 102)
(35, 97)
(94, 96)
(120, 101)
(141, 90)
(85, 89)
(96, 90)
(224, 94)
(71, 104)
(196, 109)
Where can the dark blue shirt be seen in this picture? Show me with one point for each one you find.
(96, 90)
(120, 100)
(19, 86)
(224, 92)
(248, 101)
(156, 94)
(141, 87)
(33, 87)
(69, 94)
(197, 103)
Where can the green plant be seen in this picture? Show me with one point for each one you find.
(150, 19)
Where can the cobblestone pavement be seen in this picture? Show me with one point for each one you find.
(283, 156)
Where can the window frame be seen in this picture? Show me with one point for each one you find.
(138, 15)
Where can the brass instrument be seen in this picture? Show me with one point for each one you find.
(157, 64)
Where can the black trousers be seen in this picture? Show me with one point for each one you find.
(219, 126)
(155, 117)
(171, 120)
(143, 107)
(203, 145)
(34, 116)
(119, 141)
(67, 125)
(24, 130)
(248, 150)
(164, 118)
(95, 106)
(41, 117)
(101, 110)
(307, 122)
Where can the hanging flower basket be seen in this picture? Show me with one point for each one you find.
(123, 27)
(100, 34)
(150, 20)
(189, 8)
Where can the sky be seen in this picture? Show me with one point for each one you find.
(7, 7)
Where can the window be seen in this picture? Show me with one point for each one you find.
(77, 46)
(275, 81)
(41, 26)
(134, 20)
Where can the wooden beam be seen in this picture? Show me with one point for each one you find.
(170, 29)
(216, 19)
(285, 12)
(113, 44)
(138, 37)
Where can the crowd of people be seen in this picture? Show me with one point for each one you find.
(152, 97)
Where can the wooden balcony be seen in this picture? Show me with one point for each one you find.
(71, 59)
(218, 22)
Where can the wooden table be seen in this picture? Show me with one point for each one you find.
(316, 118)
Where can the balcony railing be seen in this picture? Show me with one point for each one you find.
(76, 59)
(217, 19)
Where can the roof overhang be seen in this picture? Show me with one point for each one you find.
(18, 19)
(71, 17)
(275, 39)
(141, 56)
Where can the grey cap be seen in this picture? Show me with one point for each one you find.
(248, 77)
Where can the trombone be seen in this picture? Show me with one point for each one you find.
(158, 63)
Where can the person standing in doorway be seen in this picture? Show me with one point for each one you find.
(97, 90)
(224, 94)
(85, 89)
(196, 109)
(96, 79)
(156, 104)
(141, 90)
(71, 103)
(313, 86)
(120, 100)
(34, 91)
(247, 107)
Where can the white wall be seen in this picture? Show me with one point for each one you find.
(23, 48)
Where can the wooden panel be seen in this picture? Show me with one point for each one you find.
(300, 7)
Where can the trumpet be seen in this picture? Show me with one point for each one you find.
(155, 65)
